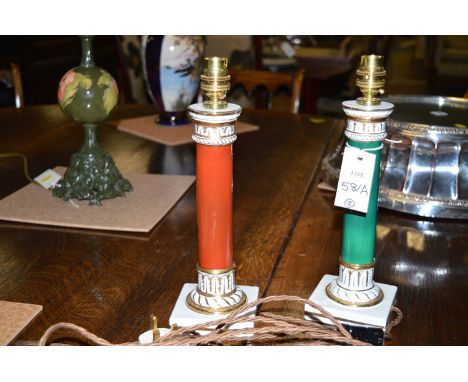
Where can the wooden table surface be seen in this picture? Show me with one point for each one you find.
(287, 233)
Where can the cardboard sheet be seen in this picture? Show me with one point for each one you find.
(146, 127)
(14, 318)
(139, 211)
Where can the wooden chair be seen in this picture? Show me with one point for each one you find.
(11, 77)
(252, 80)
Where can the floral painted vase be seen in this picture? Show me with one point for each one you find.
(88, 94)
(172, 74)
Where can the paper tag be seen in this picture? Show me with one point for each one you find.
(48, 179)
(354, 185)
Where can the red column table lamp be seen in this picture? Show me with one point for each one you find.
(216, 293)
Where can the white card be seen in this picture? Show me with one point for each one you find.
(354, 185)
(48, 179)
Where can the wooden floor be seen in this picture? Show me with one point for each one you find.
(287, 233)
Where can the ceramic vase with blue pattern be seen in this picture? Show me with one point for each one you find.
(171, 67)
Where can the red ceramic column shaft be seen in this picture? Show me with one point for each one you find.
(214, 206)
(214, 133)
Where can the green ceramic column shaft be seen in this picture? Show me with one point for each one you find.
(359, 229)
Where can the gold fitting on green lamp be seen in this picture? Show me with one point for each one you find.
(215, 82)
(370, 79)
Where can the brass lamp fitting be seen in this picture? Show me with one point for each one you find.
(215, 82)
(370, 79)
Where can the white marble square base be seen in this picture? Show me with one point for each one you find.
(182, 315)
(376, 316)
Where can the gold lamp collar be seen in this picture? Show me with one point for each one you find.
(215, 82)
(370, 79)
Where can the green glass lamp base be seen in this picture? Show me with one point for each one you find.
(92, 174)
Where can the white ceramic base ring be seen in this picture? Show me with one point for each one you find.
(203, 303)
(357, 298)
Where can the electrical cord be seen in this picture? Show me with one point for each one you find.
(25, 164)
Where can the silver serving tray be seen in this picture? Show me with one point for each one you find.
(424, 168)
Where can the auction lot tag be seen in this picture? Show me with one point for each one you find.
(354, 185)
(48, 179)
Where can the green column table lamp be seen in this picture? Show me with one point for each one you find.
(88, 94)
(353, 296)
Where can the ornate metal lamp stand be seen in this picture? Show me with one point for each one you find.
(216, 292)
(353, 296)
(88, 94)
